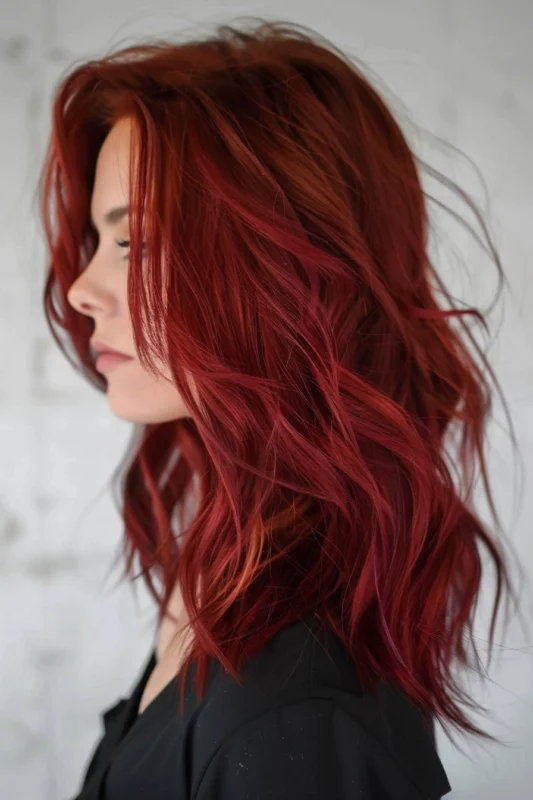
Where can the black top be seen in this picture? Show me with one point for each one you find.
(300, 727)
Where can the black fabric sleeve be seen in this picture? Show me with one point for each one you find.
(309, 750)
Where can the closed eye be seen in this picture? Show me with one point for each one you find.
(126, 243)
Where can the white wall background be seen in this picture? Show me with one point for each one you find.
(71, 643)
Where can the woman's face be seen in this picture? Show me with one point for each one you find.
(100, 292)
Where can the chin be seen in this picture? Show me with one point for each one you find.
(134, 412)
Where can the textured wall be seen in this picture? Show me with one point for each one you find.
(71, 643)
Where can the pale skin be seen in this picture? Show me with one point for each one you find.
(134, 394)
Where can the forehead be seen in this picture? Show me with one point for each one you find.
(111, 179)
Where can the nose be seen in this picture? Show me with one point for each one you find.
(79, 304)
(88, 297)
(81, 299)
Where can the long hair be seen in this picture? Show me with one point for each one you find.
(340, 410)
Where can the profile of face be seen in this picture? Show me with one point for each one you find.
(100, 292)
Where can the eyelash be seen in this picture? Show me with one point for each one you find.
(125, 243)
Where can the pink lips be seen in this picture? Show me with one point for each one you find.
(108, 360)
(108, 357)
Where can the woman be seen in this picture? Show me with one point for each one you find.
(242, 219)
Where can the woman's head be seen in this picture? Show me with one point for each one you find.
(134, 392)
(288, 344)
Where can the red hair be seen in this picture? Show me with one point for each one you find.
(279, 193)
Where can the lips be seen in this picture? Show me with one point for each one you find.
(100, 347)
(107, 361)
(109, 351)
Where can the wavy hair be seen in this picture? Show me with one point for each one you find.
(340, 411)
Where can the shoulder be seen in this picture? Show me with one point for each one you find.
(300, 725)
(310, 749)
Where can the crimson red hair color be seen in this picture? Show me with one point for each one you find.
(287, 274)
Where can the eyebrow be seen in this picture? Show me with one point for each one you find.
(113, 216)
